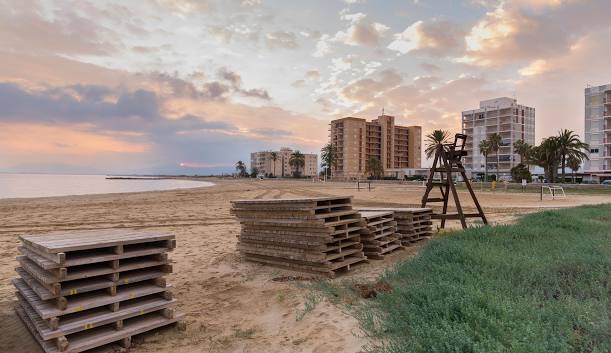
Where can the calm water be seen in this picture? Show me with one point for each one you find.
(44, 185)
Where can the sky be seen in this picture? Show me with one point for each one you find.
(192, 86)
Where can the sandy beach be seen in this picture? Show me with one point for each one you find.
(230, 305)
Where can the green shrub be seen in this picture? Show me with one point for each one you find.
(541, 285)
(520, 172)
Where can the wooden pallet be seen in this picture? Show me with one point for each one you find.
(77, 291)
(119, 332)
(54, 245)
(309, 234)
(379, 236)
(413, 224)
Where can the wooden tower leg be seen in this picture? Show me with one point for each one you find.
(429, 183)
(468, 184)
(446, 195)
(461, 215)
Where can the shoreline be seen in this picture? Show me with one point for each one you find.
(108, 189)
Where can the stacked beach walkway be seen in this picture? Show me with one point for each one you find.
(315, 235)
(413, 224)
(94, 289)
(379, 235)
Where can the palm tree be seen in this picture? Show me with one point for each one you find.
(274, 156)
(240, 167)
(433, 139)
(328, 154)
(495, 141)
(485, 149)
(297, 161)
(374, 167)
(522, 149)
(574, 163)
(547, 155)
(569, 144)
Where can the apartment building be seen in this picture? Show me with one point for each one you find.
(357, 140)
(505, 117)
(265, 163)
(598, 131)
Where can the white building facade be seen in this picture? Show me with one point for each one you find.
(598, 131)
(505, 117)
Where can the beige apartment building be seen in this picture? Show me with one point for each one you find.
(280, 167)
(357, 140)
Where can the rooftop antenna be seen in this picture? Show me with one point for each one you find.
(382, 111)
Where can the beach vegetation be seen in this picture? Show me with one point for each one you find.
(540, 285)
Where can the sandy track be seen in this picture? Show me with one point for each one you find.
(231, 305)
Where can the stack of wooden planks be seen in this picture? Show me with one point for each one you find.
(379, 236)
(413, 224)
(94, 289)
(316, 235)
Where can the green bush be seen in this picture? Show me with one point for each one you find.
(541, 285)
(520, 172)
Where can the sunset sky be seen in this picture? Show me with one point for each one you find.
(188, 86)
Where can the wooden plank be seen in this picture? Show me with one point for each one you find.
(95, 317)
(85, 301)
(325, 271)
(48, 279)
(57, 242)
(104, 335)
(90, 284)
(40, 260)
(289, 201)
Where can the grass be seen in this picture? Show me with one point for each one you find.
(541, 285)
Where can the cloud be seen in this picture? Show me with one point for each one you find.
(536, 67)
(185, 7)
(235, 80)
(520, 31)
(360, 32)
(281, 40)
(426, 101)
(312, 75)
(437, 37)
(24, 28)
(428, 67)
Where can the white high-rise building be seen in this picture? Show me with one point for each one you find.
(505, 117)
(598, 131)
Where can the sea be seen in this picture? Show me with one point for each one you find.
(47, 185)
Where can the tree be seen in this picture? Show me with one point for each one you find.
(433, 139)
(485, 149)
(328, 155)
(240, 167)
(574, 163)
(254, 172)
(522, 149)
(495, 141)
(374, 167)
(520, 172)
(569, 144)
(274, 156)
(297, 161)
(547, 155)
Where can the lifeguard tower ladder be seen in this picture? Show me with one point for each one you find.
(447, 162)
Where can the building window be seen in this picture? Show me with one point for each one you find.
(593, 150)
